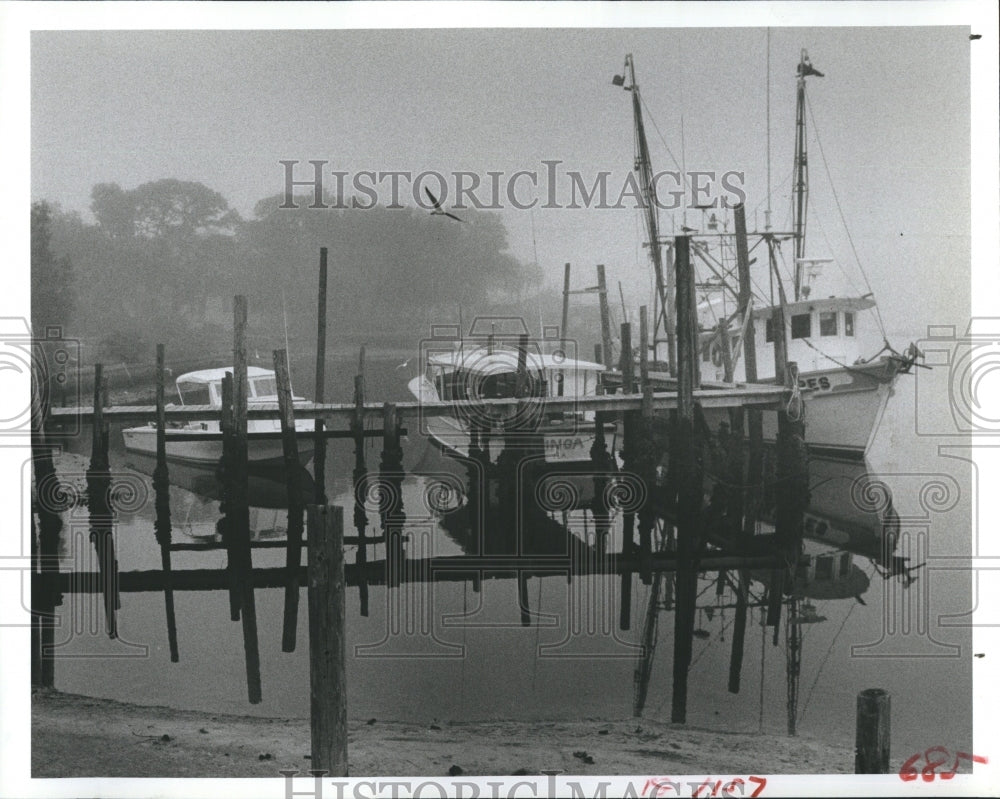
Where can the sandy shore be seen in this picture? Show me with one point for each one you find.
(78, 736)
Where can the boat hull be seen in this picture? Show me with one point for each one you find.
(843, 409)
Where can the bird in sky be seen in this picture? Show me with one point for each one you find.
(438, 210)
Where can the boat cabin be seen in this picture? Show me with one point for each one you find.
(819, 333)
(484, 373)
(204, 387)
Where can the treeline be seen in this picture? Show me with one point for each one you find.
(161, 262)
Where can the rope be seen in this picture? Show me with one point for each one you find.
(886, 347)
(795, 401)
(850, 239)
(829, 650)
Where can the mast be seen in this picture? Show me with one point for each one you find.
(801, 180)
(665, 317)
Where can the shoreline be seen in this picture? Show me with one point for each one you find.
(80, 736)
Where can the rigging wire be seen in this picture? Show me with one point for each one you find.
(656, 127)
(829, 650)
(843, 221)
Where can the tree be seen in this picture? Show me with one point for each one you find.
(52, 295)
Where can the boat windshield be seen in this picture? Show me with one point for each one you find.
(265, 386)
(194, 393)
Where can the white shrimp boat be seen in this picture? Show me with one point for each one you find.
(845, 393)
(491, 372)
(204, 388)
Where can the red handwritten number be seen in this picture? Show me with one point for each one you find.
(697, 791)
(761, 782)
(928, 772)
(908, 771)
(731, 786)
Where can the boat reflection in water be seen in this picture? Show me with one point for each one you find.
(851, 531)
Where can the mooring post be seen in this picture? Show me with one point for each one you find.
(98, 502)
(689, 488)
(240, 501)
(522, 599)
(600, 462)
(565, 316)
(602, 298)
(750, 502)
(628, 448)
(161, 485)
(327, 640)
(521, 384)
(293, 477)
(391, 494)
(871, 742)
(46, 594)
(226, 524)
(644, 456)
(360, 479)
(319, 446)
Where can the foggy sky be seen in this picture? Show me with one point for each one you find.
(224, 107)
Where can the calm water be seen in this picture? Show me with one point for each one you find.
(434, 666)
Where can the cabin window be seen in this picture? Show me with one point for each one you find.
(706, 351)
(265, 387)
(824, 567)
(849, 324)
(828, 323)
(768, 330)
(194, 393)
(801, 325)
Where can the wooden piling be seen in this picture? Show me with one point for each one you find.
(240, 501)
(565, 316)
(522, 599)
(319, 448)
(46, 596)
(872, 737)
(161, 485)
(689, 488)
(327, 640)
(293, 477)
(391, 504)
(226, 523)
(360, 477)
(521, 384)
(748, 501)
(98, 503)
(628, 447)
(644, 456)
(602, 293)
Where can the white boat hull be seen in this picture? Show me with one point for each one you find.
(262, 451)
(843, 409)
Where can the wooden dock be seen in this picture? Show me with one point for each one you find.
(666, 533)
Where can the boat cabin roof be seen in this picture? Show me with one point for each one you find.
(481, 361)
(817, 304)
(206, 376)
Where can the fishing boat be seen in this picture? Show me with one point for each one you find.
(845, 392)
(193, 463)
(469, 373)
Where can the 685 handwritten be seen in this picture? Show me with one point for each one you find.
(935, 757)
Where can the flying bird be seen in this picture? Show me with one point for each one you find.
(687, 229)
(438, 210)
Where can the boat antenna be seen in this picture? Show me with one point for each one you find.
(461, 335)
(767, 213)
